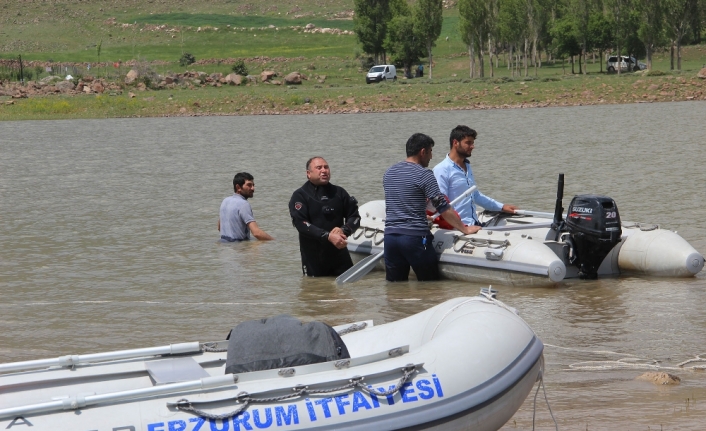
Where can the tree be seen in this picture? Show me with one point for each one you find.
(512, 25)
(428, 19)
(677, 20)
(620, 9)
(582, 14)
(401, 41)
(370, 25)
(600, 34)
(565, 38)
(474, 17)
(651, 25)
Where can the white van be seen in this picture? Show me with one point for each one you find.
(381, 72)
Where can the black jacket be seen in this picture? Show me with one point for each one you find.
(315, 210)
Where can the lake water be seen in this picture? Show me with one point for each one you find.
(108, 239)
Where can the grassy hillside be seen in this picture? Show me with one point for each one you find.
(270, 37)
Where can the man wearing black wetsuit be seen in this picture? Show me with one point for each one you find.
(325, 215)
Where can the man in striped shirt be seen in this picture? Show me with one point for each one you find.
(408, 241)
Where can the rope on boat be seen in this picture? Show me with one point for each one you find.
(544, 389)
(352, 328)
(299, 391)
(213, 347)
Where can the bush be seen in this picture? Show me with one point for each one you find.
(240, 68)
(654, 72)
(187, 59)
(366, 62)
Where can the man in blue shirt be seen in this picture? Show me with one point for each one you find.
(236, 220)
(408, 241)
(455, 176)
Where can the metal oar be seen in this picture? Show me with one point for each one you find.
(362, 268)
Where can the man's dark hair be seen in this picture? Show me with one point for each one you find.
(240, 178)
(416, 142)
(461, 132)
(308, 162)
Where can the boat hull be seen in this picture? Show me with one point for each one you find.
(526, 251)
(473, 362)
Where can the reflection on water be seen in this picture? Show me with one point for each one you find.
(109, 241)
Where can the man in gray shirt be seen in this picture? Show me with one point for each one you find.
(236, 220)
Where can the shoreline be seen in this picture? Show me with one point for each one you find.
(215, 95)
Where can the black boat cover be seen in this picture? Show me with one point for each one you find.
(279, 342)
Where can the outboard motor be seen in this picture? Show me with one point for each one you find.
(593, 223)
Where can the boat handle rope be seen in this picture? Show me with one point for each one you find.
(358, 233)
(353, 328)
(213, 346)
(481, 242)
(299, 391)
(375, 236)
(369, 229)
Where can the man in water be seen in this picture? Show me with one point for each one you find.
(236, 219)
(455, 176)
(325, 215)
(408, 241)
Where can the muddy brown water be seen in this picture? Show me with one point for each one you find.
(108, 239)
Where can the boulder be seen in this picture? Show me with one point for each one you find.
(266, 75)
(310, 26)
(48, 80)
(65, 86)
(131, 76)
(233, 79)
(702, 73)
(659, 378)
(216, 76)
(97, 87)
(87, 89)
(294, 78)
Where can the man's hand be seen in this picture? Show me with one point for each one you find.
(467, 230)
(507, 208)
(337, 238)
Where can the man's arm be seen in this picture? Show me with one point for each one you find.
(258, 233)
(454, 220)
(299, 211)
(350, 212)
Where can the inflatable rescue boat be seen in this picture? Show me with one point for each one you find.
(525, 250)
(468, 363)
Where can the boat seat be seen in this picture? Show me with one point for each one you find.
(175, 370)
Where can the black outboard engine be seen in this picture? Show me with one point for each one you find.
(593, 223)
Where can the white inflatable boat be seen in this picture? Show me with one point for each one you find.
(468, 363)
(529, 250)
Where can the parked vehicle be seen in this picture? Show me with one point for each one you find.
(381, 72)
(627, 64)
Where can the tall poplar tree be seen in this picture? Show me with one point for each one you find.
(650, 30)
(428, 18)
(474, 16)
(370, 25)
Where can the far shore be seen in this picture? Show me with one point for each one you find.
(316, 93)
